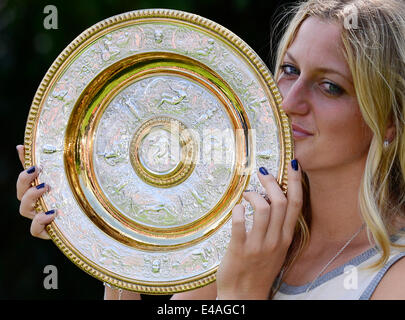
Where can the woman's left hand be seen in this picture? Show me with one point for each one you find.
(254, 259)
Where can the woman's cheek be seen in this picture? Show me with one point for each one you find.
(283, 87)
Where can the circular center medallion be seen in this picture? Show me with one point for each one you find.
(156, 151)
(163, 152)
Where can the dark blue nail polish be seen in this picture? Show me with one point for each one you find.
(294, 164)
(40, 186)
(31, 170)
(50, 212)
(263, 171)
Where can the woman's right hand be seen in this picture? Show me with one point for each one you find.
(29, 195)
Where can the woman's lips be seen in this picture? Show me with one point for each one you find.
(299, 132)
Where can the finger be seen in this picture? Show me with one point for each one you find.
(25, 179)
(261, 215)
(278, 203)
(20, 151)
(30, 198)
(39, 223)
(294, 198)
(238, 235)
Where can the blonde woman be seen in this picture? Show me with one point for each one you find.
(337, 232)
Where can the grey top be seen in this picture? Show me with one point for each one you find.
(348, 281)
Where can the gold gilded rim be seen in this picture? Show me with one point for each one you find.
(121, 20)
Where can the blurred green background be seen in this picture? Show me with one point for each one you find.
(27, 50)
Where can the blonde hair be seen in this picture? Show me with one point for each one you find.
(374, 46)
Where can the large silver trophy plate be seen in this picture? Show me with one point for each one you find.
(148, 127)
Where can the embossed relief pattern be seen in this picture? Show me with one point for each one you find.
(185, 101)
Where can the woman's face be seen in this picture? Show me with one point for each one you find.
(320, 100)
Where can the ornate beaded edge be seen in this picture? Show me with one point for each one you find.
(286, 152)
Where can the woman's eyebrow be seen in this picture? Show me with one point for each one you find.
(323, 69)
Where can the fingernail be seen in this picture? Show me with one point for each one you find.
(50, 212)
(263, 171)
(31, 170)
(40, 186)
(294, 164)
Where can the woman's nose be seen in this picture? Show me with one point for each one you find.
(296, 97)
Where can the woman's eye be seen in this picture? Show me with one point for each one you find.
(332, 89)
(329, 87)
(289, 69)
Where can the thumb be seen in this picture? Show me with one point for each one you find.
(238, 225)
(20, 151)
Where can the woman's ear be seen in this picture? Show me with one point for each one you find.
(390, 131)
